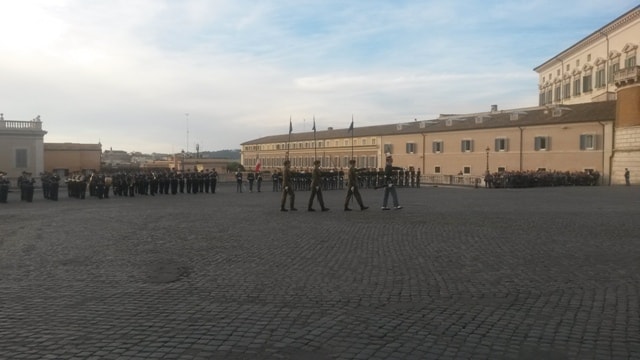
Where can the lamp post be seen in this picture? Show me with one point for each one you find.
(488, 149)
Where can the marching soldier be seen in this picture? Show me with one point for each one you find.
(214, 180)
(353, 188)
(316, 187)
(287, 188)
(389, 188)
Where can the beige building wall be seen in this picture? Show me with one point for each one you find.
(562, 152)
(66, 158)
(21, 147)
(609, 49)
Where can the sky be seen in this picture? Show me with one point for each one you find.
(169, 75)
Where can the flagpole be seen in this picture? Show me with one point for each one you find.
(315, 147)
(288, 141)
(352, 131)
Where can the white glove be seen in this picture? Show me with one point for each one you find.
(286, 188)
(317, 188)
(351, 188)
(390, 185)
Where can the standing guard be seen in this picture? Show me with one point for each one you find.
(4, 187)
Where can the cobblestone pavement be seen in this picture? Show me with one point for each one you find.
(459, 273)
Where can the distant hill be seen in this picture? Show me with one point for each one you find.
(221, 154)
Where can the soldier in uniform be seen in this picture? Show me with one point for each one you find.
(274, 180)
(353, 188)
(239, 181)
(389, 188)
(316, 187)
(214, 180)
(287, 188)
(54, 186)
(251, 177)
(4, 187)
(259, 180)
(26, 186)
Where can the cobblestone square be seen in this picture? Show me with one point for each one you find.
(458, 273)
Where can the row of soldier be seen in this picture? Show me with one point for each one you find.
(335, 179)
(520, 179)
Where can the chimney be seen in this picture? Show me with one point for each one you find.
(494, 108)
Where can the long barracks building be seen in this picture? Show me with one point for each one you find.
(588, 118)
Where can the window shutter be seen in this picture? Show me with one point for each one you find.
(537, 143)
(471, 145)
(462, 146)
(548, 143)
(506, 144)
(496, 145)
(433, 147)
(583, 142)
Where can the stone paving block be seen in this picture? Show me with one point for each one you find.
(459, 273)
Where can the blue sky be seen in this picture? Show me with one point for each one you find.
(126, 72)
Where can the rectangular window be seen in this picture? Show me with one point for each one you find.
(541, 99)
(557, 93)
(364, 141)
(436, 170)
(467, 170)
(388, 149)
(466, 145)
(588, 142)
(567, 90)
(576, 87)
(600, 78)
(21, 158)
(501, 169)
(542, 143)
(549, 99)
(587, 83)
(501, 144)
(437, 146)
(630, 62)
(373, 141)
(372, 162)
(411, 148)
(355, 142)
(612, 70)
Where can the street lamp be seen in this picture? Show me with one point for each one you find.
(488, 149)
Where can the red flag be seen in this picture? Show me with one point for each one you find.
(258, 166)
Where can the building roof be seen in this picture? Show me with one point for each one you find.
(72, 147)
(535, 116)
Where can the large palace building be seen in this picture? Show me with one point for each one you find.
(588, 118)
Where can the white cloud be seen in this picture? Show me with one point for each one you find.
(126, 72)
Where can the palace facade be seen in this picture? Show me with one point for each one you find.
(591, 123)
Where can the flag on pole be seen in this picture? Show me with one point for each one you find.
(258, 166)
(351, 126)
(314, 124)
(290, 126)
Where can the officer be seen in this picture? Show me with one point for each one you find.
(4, 187)
(316, 187)
(287, 188)
(389, 188)
(353, 188)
